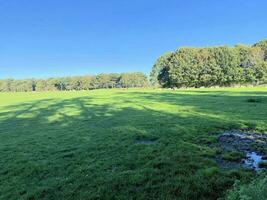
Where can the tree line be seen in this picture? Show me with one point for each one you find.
(186, 67)
(211, 66)
(113, 80)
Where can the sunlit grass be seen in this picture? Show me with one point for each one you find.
(82, 145)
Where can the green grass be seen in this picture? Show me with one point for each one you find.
(233, 156)
(82, 145)
(255, 190)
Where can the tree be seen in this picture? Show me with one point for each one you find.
(263, 46)
(159, 65)
(85, 82)
(6, 85)
(41, 85)
(103, 80)
(114, 80)
(125, 80)
(210, 66)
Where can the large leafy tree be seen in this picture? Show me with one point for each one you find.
(158, 68)
(211, 66)
(263, 46)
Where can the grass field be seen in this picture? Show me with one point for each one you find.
(86, 145)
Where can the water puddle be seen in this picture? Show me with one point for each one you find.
(252, 160)
(251, 146)
(144, 142)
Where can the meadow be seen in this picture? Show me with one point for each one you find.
(122, 143)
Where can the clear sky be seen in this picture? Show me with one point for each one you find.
(43, 38)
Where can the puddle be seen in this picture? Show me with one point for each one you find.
(144, 142)
(252, 145)
(252, 160)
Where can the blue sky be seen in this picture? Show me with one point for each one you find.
(44, 38)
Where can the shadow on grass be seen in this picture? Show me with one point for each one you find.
(243, 107)
(78, 148)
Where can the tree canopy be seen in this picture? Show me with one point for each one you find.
(212, 66)
(114, 80)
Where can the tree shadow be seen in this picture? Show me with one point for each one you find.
(78, 149)
(236, 107)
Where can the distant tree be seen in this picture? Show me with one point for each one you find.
(85, 82)
(159, 65)
(138, 79)
(263, 46)
(103, 80)
(7, 85)
(125, 81)
(1, 85)
(51, 84)
(260, 72)
(135, 79)
(41, 85)
(114, 80)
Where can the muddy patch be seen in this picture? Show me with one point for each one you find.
(237, 149)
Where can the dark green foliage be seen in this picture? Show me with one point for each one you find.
(263, 164)
(254, 100)
(212, 66)
(233, 156)
(157, 68)
(124, 80)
